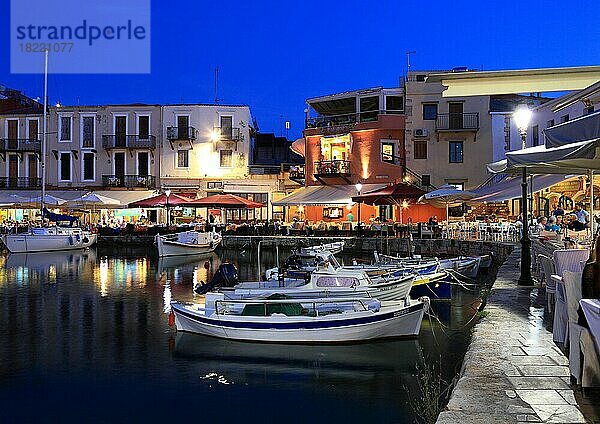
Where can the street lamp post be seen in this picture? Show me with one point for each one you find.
(168, 193)
(358, 187)
(522, 117)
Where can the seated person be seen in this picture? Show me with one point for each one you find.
(574, 224)
(551, 225)
(541, 224)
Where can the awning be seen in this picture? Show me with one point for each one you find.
(324, 195)
(573, 158)
(125, 197)
(13, 198)
(510, 188)
(393, 194)
(581, 129)
(299, 146)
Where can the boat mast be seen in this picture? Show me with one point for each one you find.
(44, 133)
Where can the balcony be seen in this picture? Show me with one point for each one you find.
(20, 145)
(229, 134)
(457, 122)
(181, 133)
(128, 142)
(20, 183)
(325, 169)
(297, 174)
(129, 181)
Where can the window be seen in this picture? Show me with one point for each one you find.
(564, 118)
(65, 166)
(550, 123)
(394, 104)
(226, 158)
(420, 149)
(227, 127)
(507, 133)
(144, 127)
(426, 180)
(420, 78)
(456, 152)
(87, 131)
(33, 129)
(535, 135)
(215, 185)
(458, 186)
(65, 128)
(88, 166)
(183, 158)
(430, 111)
(387, 152)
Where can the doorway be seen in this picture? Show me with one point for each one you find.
(455, 116)
(119, 159)
(120, 131)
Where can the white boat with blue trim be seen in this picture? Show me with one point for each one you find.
(49, 239)
(285, 320)
(187, 243)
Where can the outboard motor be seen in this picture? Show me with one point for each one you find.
(226, 276)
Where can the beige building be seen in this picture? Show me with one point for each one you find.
(448, 140)
(109, 147)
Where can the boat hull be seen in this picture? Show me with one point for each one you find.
(168, 248)
(392, 322)
(397, 289)
(29, 243)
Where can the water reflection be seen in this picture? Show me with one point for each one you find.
(72, 321)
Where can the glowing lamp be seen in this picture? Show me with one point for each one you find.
(522, 117)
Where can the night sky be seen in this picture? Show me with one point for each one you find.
(274, 55)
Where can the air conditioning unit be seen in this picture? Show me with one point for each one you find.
(421, 132)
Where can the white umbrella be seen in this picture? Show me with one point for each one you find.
(93, 199)
(48, 200)
(446, 195)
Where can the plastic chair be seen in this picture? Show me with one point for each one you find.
(547, 270)
(572, 286)
(564, 260)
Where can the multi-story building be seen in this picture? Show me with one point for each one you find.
(20, 140)
(349, 138)
(206, 149)
(108, 147)
(447, 139)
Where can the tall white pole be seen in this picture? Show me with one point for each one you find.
(44, 132)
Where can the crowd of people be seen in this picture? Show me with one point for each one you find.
(577, 220)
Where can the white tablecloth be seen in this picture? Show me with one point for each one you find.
(591, 310)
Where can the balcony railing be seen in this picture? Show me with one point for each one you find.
(20, 145)
(457, 121)
(118, 141)
(129, 181)
(181, 133)
(323, 121)
(332, 168)
(297, 173)
(20, 182)
(233, 134)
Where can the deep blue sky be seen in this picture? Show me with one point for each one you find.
(274, 55)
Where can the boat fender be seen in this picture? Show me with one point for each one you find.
(216, 236)
(171, 318)
(211, 244)
(71, 241)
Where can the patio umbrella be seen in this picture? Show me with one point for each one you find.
(226, 201)
(161, 200)
(48, 200)
(446, 195)
(93, 199)
(394, 194)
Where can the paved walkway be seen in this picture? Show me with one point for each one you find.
(513, 371)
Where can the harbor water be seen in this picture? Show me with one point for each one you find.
(84, 337)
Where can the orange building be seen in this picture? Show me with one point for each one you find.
(351, 138)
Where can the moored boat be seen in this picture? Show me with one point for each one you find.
(49, 239)
(187, 243)
(310, 320)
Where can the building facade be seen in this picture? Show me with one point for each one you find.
(109, 147)
(448, 140)
(20, 140)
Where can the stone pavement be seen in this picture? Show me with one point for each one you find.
(513, 372)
